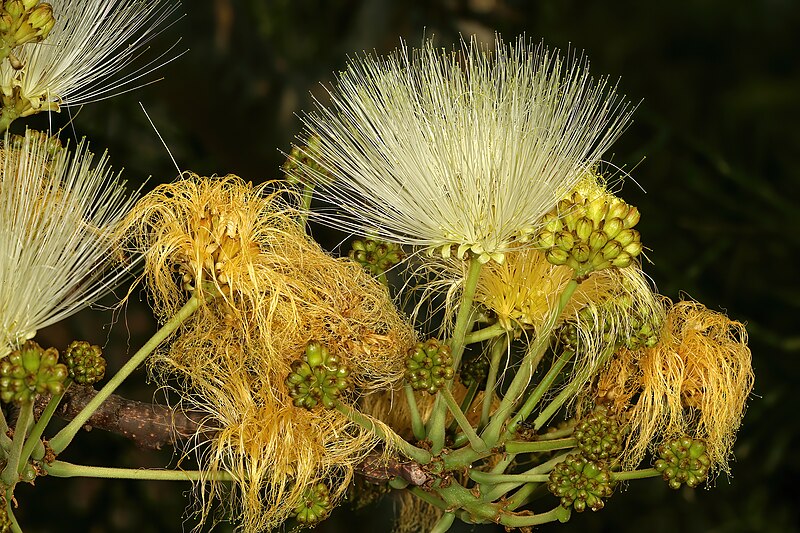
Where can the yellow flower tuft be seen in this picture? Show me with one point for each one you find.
(268, 291)
(694, 382)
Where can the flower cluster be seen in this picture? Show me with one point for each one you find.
(279, 321)
(463, 150)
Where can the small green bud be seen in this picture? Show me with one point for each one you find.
(584, 228)
(581, 252)
(85, 362)
(546, 239)
(375, 255)
(597, 240)
(318, 377)
(429, 365)
(623, 260)
(564, 240)
(618, 209)
(683, 460)
(581, 483)
(611, 250)
(632, 218)
(29, 371)
(557, 256)
(315, 506)
(612, 227)
(596, 211)
(599, 435)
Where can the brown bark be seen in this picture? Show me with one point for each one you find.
(153, 426)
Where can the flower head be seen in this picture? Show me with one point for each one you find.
(91, 42)
(266, 350)
(58, 233)
(467, 149)
(694, 382)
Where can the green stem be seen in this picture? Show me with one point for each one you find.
(499, 347)
(416, 420)
(34, 438)
(540, 446)
(501, 489)
(436, 424)
(5, 442)
(65, 436)
(560, 514)
(63, 469)
(308, 193)
(518, 385)
(466, 403)
(533, 400)
(10, 474)
(10, 511)
(635, 474)
(489, 332)
(409, 450)
(427, 497)
(568, 392)
(475, 441)
(443, 524)
(489, 478)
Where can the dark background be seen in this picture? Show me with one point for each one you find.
(714, 143)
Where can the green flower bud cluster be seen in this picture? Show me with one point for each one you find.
(85, 362)
(429, 365)
(599, 435)
(21, 22)
(581, 483)
(316, 505)
(300, 168)
(644, 334)
(318, 378)
(590, 235)
(475, 370)
(569, 336)
(376, 256)
(29, 371)
(683, 460)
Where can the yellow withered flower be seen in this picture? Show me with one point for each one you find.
(695, 381)
(59, 246)
(268, 291)
(463, 150)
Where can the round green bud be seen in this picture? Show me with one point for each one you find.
(315, 505)
(85, 362)
(584, 228)
(29, 371)
(375, 255)
(429, 366)
(596, 211)
(683, 461)
(319, 377)
(632, 217)
(475, 370)
(597, 240)
(612, 227)
(557, 256)
(581, 483)
(599, 435)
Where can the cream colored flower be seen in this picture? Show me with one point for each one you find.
(464, 149)
(80, 61)
(58, 218)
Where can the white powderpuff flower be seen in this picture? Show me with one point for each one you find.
(59, 240)
(465, 149)
(80, 61)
